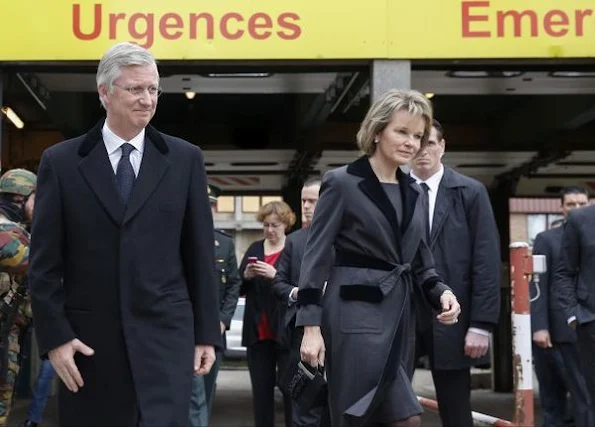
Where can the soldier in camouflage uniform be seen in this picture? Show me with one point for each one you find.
(17, 199)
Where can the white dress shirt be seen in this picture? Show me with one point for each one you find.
(433, 184)
(113, 143)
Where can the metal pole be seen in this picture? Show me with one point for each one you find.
(479, 419)
(520, 269)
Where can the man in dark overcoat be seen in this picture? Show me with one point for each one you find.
(285, 286)
(574, 287)
(463, 237)
(122, 268)
(555, 352)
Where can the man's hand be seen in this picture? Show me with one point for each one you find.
(476, 345)
(62, 359)
(223, 327)
(204, 357)
(542, 338)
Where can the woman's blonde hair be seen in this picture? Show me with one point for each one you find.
(281, 209)
(381, 113)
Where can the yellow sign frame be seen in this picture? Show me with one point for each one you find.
(299, 29)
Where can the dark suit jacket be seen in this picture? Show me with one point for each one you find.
(466, 249)
(287, 277)
(546, 312)
(138, 281)
(228, 278)
(259, 298)
(575, 273)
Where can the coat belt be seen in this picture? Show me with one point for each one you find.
(374, 293)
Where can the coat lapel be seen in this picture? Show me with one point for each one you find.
(409, 192)
(372, 188)
(99, 174)
(153, 167)
(444, 201)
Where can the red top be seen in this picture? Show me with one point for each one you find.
(264, 327)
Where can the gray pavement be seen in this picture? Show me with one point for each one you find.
(233, 404)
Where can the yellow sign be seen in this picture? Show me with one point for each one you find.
(299, 29)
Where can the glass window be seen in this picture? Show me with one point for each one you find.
(268, 199)
(535, 225)
(226, 204)
(250, 203)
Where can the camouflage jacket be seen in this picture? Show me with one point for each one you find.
(14, 257)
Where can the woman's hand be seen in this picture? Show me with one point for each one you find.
(249, 272)
(312, 350)
(450, 308)
(264, 270)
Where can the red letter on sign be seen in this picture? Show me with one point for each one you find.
(549, 22)
(468, 18)
(224, 26)
(76, 23)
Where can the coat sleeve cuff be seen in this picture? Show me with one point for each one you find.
(309, 315)
(309, 296)
(434, 289)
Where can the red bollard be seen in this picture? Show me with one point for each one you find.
(521, 266)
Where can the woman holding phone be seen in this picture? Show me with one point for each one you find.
(263, 314)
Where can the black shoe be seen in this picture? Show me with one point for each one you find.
(28, 423)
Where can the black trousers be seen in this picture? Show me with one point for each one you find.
(586, 350)
(453, 387)
(264, 358)
(575, 381)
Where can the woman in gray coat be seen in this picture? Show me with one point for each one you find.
(362, 326)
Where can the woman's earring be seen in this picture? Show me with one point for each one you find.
(376, 141)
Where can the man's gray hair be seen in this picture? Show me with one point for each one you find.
(118, 56)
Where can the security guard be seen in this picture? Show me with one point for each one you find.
(226, 266)
(17, 200)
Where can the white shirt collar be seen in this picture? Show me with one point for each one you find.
(113, 142)
(434, 181)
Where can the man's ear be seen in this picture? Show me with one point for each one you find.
(102, 90)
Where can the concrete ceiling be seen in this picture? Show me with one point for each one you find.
(533, 124)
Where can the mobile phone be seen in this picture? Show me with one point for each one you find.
(252, 259)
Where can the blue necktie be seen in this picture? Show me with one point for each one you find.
(125, 173)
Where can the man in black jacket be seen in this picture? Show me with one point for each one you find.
(575, 286)
(285, 285)
(463, 237)
(555, 351)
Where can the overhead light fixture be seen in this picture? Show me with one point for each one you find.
(572, 74)
(430, 95)
(13, 117)
(239, 75)
(460, 74)
(190, 95)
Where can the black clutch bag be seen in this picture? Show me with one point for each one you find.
(306, 385)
